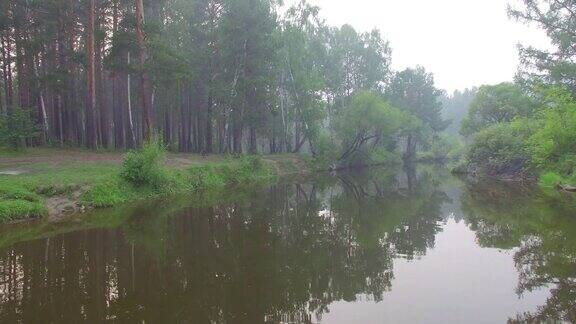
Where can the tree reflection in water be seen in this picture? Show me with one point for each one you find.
(544, 236)
(280, 254)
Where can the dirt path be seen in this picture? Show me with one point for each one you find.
(56, 157)
(23, 163)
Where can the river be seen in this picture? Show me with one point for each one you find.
(379, 246)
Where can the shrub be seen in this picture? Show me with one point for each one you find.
(442, 149)
(145, 167)
(550, 180)
(553, 143)
(238, 171)
(17, 127)
(500, 149)
(325, 152)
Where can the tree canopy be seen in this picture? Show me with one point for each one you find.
(207, 76)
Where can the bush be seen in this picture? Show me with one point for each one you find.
(550, 180)
(145, 167)
(325, 152)
(239, 171)
(553, 143)
(442, 149)
(17, 127)
(500, 149)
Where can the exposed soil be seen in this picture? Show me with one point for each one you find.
(14, 165)
(288, 165)
(61, 207)
(57, 156)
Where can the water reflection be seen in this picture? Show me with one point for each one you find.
(281, 254)
(507, 216)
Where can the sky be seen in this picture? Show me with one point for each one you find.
(464, 43)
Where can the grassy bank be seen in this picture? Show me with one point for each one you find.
(51, 185)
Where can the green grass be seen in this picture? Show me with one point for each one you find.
(551, 180)
(548, 183)
(23, 196)
(10, 152)
(116, 190)
(11, 210)
(102, 184)
(19, 202)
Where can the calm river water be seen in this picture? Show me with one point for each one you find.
(371, 247)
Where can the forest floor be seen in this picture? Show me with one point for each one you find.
(59, 182)
(20, 160)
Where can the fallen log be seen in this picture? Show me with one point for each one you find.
(566, 188)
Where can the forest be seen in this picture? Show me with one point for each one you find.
(255, 77)
(226, 76)
(207, 76)
(526, 129)
(250, 161)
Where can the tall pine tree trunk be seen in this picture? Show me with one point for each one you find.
(130, 119)
(7, 71)
(209, 135)
(146, 122)
(91, 134)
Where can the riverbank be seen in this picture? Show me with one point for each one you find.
(57, 183)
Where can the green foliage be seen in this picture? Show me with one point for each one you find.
(245, 170)
(145, 167)
(18, 202)
(513, 134)
(205, 176)
(413, 90)
(16, 127)
(108, 193)
(442, 148)
(11, 191)
(500, 149)
(100, 185)
(550, 179)
(325, 152)
(495, 104)
(159, 180)
(554, 142)
(11, 210)
(366, 124)
(551, 66)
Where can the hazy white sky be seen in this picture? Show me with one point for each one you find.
(463, 42)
